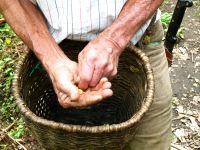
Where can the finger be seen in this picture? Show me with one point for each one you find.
(93, 99)
(85, 75)
(113, 74)
(76, 79)
(70, 89)
(60, 93)
(62, 96)
(100, 84)
(107, 85)
(106, 93)
(97, 75)
(108, 70)
(65, 103)
(56, 90)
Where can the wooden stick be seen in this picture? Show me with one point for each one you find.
(7, 138)
(14, 141)
(4, 131)
(182, 115)
(9, 127)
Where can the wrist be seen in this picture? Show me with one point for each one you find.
(112, 46)
(54, 61)
(118, 35)
(48, 52)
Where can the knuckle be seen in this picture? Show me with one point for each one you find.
(91, 59)
(84, 78)
(93, 82)
(92, 56)
(103, 63)
(110, 68)
(114, 72)
(64, 104)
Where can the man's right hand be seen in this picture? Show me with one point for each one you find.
(64, 78)
(63, 75)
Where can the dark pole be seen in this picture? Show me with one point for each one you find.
(174, 25)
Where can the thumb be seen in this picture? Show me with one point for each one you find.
(71, 90)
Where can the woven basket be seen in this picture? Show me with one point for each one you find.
(109, 124)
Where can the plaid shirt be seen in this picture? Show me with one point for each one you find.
(83, 19)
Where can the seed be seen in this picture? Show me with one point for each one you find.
(80, 91)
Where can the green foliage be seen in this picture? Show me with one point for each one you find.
(8, 58)
(3, 146)
(6, 35)
(7, 63)
(165, 20)
(8, 107)
(18, 131)
(180, 33)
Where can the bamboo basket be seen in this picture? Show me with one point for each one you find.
(110, 124)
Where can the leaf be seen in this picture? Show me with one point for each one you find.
(5, 28)
(3, 146)
(7, 59)
(180, 134)
(175, 101)
(133, 69)
(197, 80)
(180, 33)
(195, 84)
(166, 18)
(8, 41)
(194, 125)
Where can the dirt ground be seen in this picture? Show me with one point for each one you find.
(185, 79)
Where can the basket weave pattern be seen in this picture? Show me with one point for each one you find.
(107, 125)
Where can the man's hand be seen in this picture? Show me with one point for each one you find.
(98, 59)
(64, 78)
(63, 75)
(90, 96)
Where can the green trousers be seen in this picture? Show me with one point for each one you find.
(155, 127)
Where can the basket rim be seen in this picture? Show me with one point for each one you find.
(83, 128)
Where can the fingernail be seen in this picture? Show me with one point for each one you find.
(104, 79)
(107, 85)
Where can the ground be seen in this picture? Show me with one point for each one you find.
(185, 79)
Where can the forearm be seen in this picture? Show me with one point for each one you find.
(29, 24)
(132, 16)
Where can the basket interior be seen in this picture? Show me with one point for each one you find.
(129, 87)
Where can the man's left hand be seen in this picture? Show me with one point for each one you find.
(98, 59)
